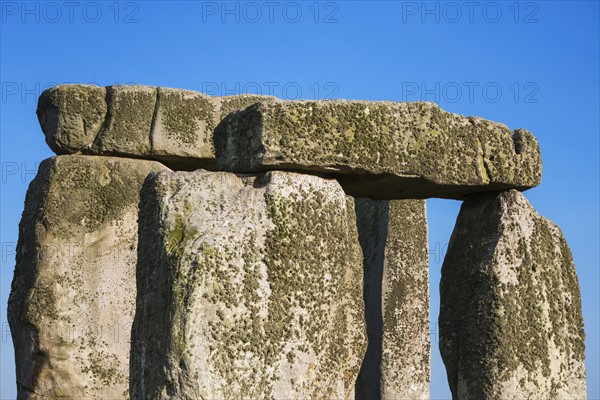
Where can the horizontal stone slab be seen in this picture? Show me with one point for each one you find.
(381, 150)
(173, 126)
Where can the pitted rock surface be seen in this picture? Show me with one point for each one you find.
(375, 149)
(393, 236)
(174, 126)
(380, 149)
(250, 287)
(73, 293)
(510, 319)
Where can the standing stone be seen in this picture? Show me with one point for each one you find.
(73, 294)
(510, 319)
(393, 236)
(249, 287)
(381, 149)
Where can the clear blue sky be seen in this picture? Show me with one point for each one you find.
(529, 64)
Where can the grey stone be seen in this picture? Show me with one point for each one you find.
(129, 121)
(184, 125)
(230, 104)
(380, 150)
(71, 116)
(73, 294)
(393, 236)
(510, 320)
(248, 287)
(173, 126)
(375, 149)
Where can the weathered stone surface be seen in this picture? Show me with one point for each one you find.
(73, 294)
(510, 319)
(393, 236)
(249, 287)
(173, 126)
(71, 116)
(229, 104)
(182, 134)
(128, 122)
(380, 149)
(376, 149)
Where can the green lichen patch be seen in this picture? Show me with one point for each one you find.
(87, 192)
(73, 292)
(184, 124)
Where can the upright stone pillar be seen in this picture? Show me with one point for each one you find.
(510, 317)
(249, 287)
(393, 236)
(73, 293)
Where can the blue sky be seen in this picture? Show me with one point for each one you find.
(533, 65)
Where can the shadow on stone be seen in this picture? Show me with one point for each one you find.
(372, 218)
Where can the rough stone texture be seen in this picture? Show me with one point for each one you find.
(393, 236)
(380, 149)
(185, 121)
(376, 149)
(229, 104)
(71, 116)
(173, 126)
(128, 122)
(73, 293)
(510, 319)
(250, 287)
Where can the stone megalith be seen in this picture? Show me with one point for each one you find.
(380, 149)
(510, 321)
(173, 126)
(248, 287)
(73, 294)
(393, 236)
(376, 149)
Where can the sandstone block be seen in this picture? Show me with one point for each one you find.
(182, 133)
(393, 237)
(173, 126)
(71, 116)
(73, 294)
(510, 319)
(380, 150)
(249, 287)
(128, 123)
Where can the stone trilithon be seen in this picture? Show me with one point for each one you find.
(187, 246)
